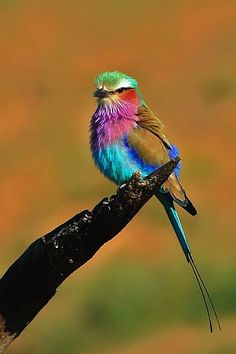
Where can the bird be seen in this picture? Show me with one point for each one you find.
(125, 137)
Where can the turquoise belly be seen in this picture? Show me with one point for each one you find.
(114, 162)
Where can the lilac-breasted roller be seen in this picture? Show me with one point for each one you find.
(126, 136)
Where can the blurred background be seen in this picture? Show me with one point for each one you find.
(137, 295)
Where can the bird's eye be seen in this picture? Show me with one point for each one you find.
(120, 90)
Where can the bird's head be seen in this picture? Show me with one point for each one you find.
(113, 87)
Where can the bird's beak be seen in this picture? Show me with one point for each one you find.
(101, 93)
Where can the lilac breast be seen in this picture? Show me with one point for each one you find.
(110, 122)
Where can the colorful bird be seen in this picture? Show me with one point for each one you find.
(126, 136)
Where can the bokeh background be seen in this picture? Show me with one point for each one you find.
(137, 295)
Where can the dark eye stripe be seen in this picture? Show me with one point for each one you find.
(121, 89)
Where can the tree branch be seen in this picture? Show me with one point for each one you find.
(32, 280)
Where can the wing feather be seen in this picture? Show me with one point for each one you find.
(149, 148)
(152, 147)
(149, 121)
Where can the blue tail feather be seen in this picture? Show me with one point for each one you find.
(168, 204)
(173, 216)
(177, 226)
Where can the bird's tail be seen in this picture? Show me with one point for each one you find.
(173, 216)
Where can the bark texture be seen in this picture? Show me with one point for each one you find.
(32, 280)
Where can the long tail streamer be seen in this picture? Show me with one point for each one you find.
(205, 293)
(178, 228)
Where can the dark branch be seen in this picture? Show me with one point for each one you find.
(32, 280)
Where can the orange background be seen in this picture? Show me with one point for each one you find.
(137, 294)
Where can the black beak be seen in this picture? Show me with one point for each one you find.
(101, 93)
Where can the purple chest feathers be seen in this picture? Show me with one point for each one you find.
(110, 123)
